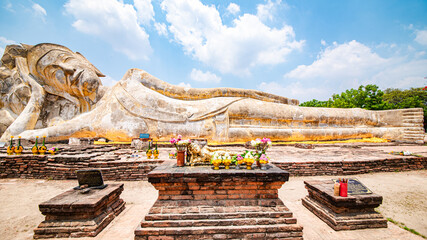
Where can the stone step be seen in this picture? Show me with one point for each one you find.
(217, 222)
(412, 120)
(418, 110)
(414, 135)
(418, 117)
(252, 236)
(294, 232)
(196, 216)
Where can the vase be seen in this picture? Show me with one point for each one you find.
(10, 150)
(43, 148)
(18, 150)
(258, 164)
(237, 166)
(227, 165)
(180, 159)
(249, 165)
(156, 154)
(149, 154)
(264, 166)
(216, 165)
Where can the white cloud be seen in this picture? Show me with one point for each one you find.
(108, 81)
(6, 41)
(267, 11)
(186, 85)
(200, 76)
(323, 42)
(39, 11)
(421, 37)
(9, 7)
(348, 60)
(144, 11)
(349, 65)
(233, 8)
(161, 29)
(237, 49)
(114, 22)
(3, 43)
(294, 90)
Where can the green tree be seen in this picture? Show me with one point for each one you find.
(317, 103)
(411, 98)
(369, 97)
(372, 98)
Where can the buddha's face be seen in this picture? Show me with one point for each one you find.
(65, 71)
(195, 148)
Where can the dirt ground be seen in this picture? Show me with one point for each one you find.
(404, 201)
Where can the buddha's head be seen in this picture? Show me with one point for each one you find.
(60, 70)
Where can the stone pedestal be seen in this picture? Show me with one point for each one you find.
(73, 214)
(202, 203)
(343, 213)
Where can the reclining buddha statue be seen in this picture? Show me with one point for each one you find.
(49, 90)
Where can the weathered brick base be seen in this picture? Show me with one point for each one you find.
(72, 214)
(201, 203)
(343, 213)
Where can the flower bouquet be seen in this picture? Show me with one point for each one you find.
(249, 160)
(227, 161)
(180, 145)
(261, 146)
(237, 160)
(53, 150)
(216, 161)
(263, 160)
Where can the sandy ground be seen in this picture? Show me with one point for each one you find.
(404, 201)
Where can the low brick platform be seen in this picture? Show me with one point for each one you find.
(73, 214)
(202, 203)
(343, 213)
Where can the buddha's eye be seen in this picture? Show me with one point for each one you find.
(60, 76)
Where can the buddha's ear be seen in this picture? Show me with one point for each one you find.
(98, 73)
(26, 46)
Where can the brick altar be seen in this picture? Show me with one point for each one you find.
(343, 213)
(73, 214)
(202, 203)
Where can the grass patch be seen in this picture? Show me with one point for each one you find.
(403, 226)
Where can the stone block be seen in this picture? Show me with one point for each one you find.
(72, 214)
(343, 213)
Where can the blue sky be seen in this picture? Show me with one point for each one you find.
(298, 49)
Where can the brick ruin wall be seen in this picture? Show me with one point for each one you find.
(128, 169)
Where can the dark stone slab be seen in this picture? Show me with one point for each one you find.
(343, 213)
(90, 178)
(355, 187)
(170, 172)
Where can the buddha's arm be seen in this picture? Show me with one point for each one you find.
(184, 93)
(28, 118)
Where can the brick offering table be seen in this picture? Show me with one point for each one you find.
(343, 213)
(73, 214)
(202, 203)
